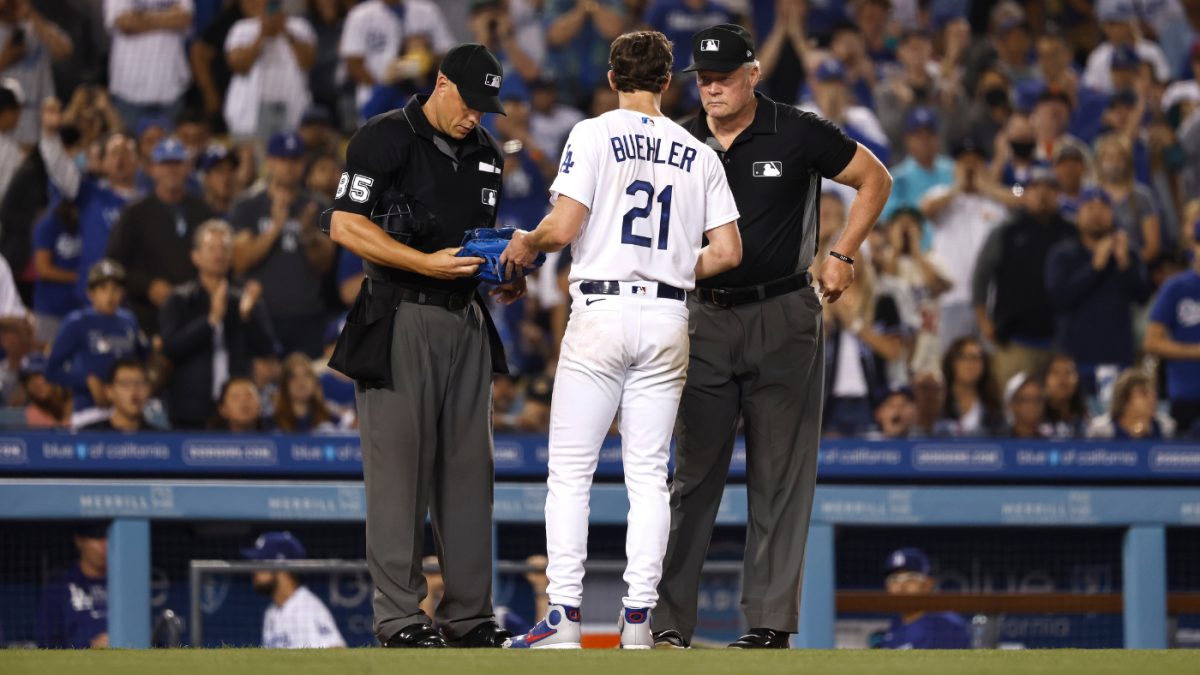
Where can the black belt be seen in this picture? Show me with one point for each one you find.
(729, 297)
(665, 291)
(424, 296)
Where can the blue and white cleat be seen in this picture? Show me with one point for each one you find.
(634, 625)
(559, 630)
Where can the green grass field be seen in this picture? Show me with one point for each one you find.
(609, 662)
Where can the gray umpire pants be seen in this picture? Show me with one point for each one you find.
(766, 361)
(427, 448)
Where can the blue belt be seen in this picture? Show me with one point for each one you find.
(665, 291)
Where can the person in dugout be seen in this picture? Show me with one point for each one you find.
(909, 574)
(73, 613)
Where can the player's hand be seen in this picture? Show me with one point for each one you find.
(100, 641)
(517, 253)
(510, 292)
(834, 277)
(443, 264)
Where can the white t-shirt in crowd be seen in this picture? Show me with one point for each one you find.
(851, 381)
(304, 622)
(652, 191)
(959, 231)
(34, 75)
(147, 68)
(276, 77)
(375, 32)
(549, 132)
(1098, 73)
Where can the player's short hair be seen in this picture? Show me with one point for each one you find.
(641, 61)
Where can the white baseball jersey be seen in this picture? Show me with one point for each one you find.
(147, 68)
(627, 169)
(375, 32)
(303, 622)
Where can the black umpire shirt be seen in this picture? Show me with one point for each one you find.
(774, 169)
(458, 181)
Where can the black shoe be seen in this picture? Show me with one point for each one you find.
(670, 639)
(416, 636)
(762, 638)
(487, 635)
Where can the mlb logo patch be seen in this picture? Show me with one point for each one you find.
(492, 80)
(768, 169)
(710, 45)
(647, 120)
(489, 197)
(639, 290)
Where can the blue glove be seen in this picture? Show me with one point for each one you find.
(488, 243)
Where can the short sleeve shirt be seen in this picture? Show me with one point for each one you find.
(1178, 308)
(303, 622)
(775, 168)
(651, 190)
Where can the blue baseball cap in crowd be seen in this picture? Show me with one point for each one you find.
(148, 122)
(921, 117)
(217, 153)
(1088, 194)
(1121, 11)
(275, 546)
(317, 114)
(169, 149)
(1125, 57)
(831, 69)
(33, 363)
(1125, 97)
(285, 144)
(886, 392)
(908, 560)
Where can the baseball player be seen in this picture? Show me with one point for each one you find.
(296, 618)
(635, 196)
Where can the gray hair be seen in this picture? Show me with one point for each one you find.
(213, 225)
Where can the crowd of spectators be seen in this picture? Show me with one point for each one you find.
(1034, 274)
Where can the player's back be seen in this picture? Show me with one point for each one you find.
(649, 186)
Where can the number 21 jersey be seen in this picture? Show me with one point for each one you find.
(652, 191)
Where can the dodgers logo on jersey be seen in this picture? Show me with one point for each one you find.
(768, 169)
(489, 197)
(710, 45)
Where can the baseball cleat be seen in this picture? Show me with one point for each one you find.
(669, 639)
(634, 625)
(559, 630)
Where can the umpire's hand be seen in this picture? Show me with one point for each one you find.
(444, 265)
(834, 277)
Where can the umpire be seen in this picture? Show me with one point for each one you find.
(757, 341)
(422, 349)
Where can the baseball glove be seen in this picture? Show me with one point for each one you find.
(488, 243)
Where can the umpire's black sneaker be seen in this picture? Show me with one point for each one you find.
(416, 636)
(669, 639)
(762, 638)
(487, 635)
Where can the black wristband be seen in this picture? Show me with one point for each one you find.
(843, 258)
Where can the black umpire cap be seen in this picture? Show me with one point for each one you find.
(477, 73)
(721, 48)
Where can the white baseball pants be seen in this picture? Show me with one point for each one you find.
(623, 356)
